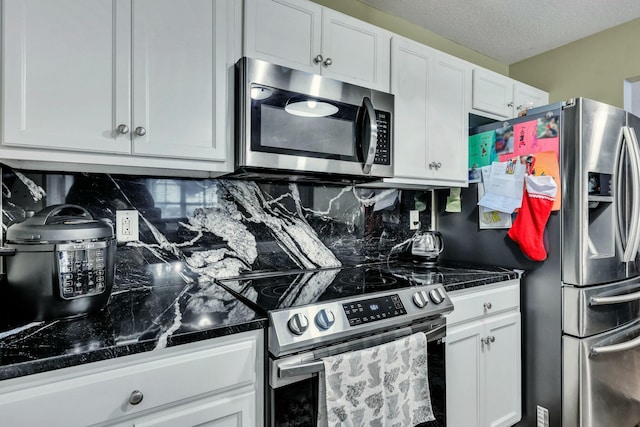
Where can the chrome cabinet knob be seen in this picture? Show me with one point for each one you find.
(420, 299)
(318, 59)
(328, 62)
(491, 338)
(298, 324)
(136, 397)
(519, 107)
(484, 341)
(510, 104)
(435, 165)
(325, 319)
(140, 131)
(438, 165)
(123, 129)
(487, 306)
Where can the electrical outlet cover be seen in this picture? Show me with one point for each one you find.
(127, 226)
(414, 219)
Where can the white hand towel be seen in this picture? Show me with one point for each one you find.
(386, 385)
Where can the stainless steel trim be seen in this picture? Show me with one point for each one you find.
(614, 348)
(302, 367)
(373, 141)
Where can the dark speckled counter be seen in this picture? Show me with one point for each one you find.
(164, 307)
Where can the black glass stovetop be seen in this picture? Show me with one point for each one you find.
(272, 292)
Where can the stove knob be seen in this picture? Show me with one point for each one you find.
(298, 323)
(437, 295)
(325, 319)
(420, 299)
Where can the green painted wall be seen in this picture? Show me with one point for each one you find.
(381, 19)
(594, 67)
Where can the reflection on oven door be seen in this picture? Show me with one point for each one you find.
(601, 378)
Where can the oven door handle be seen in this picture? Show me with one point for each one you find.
(614, 348)
(317, 366)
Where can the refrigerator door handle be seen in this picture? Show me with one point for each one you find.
(614, 348)
(616, 299)
(618, 181)
(634, 238)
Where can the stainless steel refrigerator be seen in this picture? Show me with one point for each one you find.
(581, 306)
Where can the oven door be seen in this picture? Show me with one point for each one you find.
(600, 378)
(292, 396)
(306, 123)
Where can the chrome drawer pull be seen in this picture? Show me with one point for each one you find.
(616, 299)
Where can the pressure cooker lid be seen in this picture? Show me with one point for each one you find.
(59, 223)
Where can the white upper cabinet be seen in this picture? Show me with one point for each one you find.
(149, 78)
(303, 35)
(431, 115)
(178, 69)
(66, 74)
(502, 97)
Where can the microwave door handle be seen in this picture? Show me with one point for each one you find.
(370, 155)
(614, 348)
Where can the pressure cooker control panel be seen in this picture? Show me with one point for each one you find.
(82, 269)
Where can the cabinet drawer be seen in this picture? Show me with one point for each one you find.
(95, 397)
(484, 302)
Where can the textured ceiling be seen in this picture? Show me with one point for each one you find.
(512, 30)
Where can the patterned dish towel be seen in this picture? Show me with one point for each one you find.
(382, 386)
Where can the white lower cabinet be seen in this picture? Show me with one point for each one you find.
(483, 358)
(218, 382)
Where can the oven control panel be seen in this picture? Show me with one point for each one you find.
(370, 310)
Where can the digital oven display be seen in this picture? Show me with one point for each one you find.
(370, 310)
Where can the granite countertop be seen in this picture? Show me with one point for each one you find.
(163, 305)
(159, 306)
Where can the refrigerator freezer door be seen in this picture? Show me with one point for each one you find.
(592, 310)
(600, 378)
(598, 169)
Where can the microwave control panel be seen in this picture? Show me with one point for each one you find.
(383, 152)
(82, 271)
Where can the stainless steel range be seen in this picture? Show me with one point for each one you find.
(319, 313)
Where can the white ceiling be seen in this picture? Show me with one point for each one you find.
(512, 30)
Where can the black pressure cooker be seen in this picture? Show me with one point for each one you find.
(59, 263)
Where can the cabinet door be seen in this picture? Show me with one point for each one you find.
(493, 93)
(525, 96)
(66, 74)
(216, 411)
(411, 68)
(431, 113)
(180, 95)
(284, 32)
(448, 121)
(503, 371)
(355, 51)
(465, 375)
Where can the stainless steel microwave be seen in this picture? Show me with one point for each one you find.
(295, 125)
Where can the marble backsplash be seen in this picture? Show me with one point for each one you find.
(219, 228)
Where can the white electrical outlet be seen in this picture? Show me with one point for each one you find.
(127, 226)
(414, 220)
